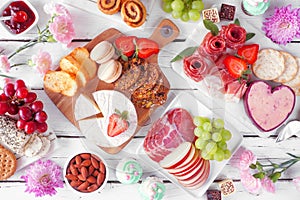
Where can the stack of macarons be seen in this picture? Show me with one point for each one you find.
(109, 70)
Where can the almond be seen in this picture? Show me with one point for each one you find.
(78, 160)
(73, 170)
(81, 177)
(83, 186)
(71, 177)
(100, 178)
(102, 167)
(92, 188)
(86, 163)
(95, 163)
(96, 157)
(91, 169)
(75, 183)
(85, 156)
(84, 172)
(95, 173)
(91, 179)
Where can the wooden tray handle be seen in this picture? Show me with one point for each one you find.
(165, 32)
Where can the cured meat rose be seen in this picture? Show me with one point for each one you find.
(234, 36)
(173, 128)
(195, 67)
(212, 46)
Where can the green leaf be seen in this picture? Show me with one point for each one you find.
(249, 36)
(186, 52)
(211, 26)
(125, 58)
(237, 22)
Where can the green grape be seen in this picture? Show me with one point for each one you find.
(194, 14)
(216, 136)
(176, 14)
(211, 147)
(222, 145)
(198, 120)
(218, 123)
(205, 135)
(205, 155)
(185, 16)
(177, 5)
(200, 144)
(219, 155)
(207, 126)
(167, 7)
(197, 5)
(227, 154)
(226, 135)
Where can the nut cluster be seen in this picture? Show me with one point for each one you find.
(86, 172)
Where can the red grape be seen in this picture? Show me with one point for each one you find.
(31, 97)
(42, 127)
(9, 90)
(19, 84)
(13, 109)
(37, 106)
(21, 124)
(40, 116)
(21, 93)
(30, 127)
(3, 107)
(25, 113)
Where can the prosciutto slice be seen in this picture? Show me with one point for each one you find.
(234, 36)
(195, 67)
(173, 128)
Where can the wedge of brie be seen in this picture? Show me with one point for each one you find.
(85, 107)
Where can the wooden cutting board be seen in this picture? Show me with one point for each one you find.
(163, 34)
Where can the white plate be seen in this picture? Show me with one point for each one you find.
(195, 108)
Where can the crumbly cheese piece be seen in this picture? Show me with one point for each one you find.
(85, 107)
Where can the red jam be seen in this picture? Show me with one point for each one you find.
(23, 17)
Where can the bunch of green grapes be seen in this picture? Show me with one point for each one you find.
(212, 138)
(184, 9)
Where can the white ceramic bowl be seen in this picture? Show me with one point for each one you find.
(5, 4)
(84, 193)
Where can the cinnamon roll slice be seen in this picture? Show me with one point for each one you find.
(133, 12)
(109, 7)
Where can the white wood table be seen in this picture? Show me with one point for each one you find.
(88, 24)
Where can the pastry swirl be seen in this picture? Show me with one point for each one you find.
(133, 12)
(109, 7)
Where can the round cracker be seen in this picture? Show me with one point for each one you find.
(295, 82)
(291, 68)
(269, 64)
(8, 163)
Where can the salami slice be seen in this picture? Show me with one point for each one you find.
(195, 67)
(212, 46)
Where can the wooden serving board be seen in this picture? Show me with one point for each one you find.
(163, 34)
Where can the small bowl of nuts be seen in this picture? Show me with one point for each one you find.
(86, 173)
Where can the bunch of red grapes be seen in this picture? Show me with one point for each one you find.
(16, 100)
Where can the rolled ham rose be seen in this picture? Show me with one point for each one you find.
(234, 36)
(195, 67)
(212, 46)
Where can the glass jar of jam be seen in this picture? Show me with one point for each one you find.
(23, 16)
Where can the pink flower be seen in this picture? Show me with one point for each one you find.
(4, 63)
(62, 29)
(42, 62)
(55, 9)
(246, 159)
(296, 181)
(268, 184)
(251, 184)
(42, 178)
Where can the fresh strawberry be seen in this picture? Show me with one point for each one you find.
(236, 67)
(117, 123)
(249, 53)
(126, 45)
(146, 47)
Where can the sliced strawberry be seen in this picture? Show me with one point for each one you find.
(126, 45)
(146, 47)
(117, 123)
(235, 66)
(249, 53)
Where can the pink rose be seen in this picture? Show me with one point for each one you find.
(234, 36)
(4, 63)
(268, 184)
(42, 62)
(251, 184)
(296, 181)
(246, 159)
(62, 29)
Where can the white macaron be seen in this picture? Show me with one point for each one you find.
(110, 71)
(102, 52)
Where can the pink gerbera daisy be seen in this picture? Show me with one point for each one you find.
(284, 25)
(42, 178)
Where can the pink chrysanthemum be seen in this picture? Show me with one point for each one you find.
(42, 178)
(284, 25)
